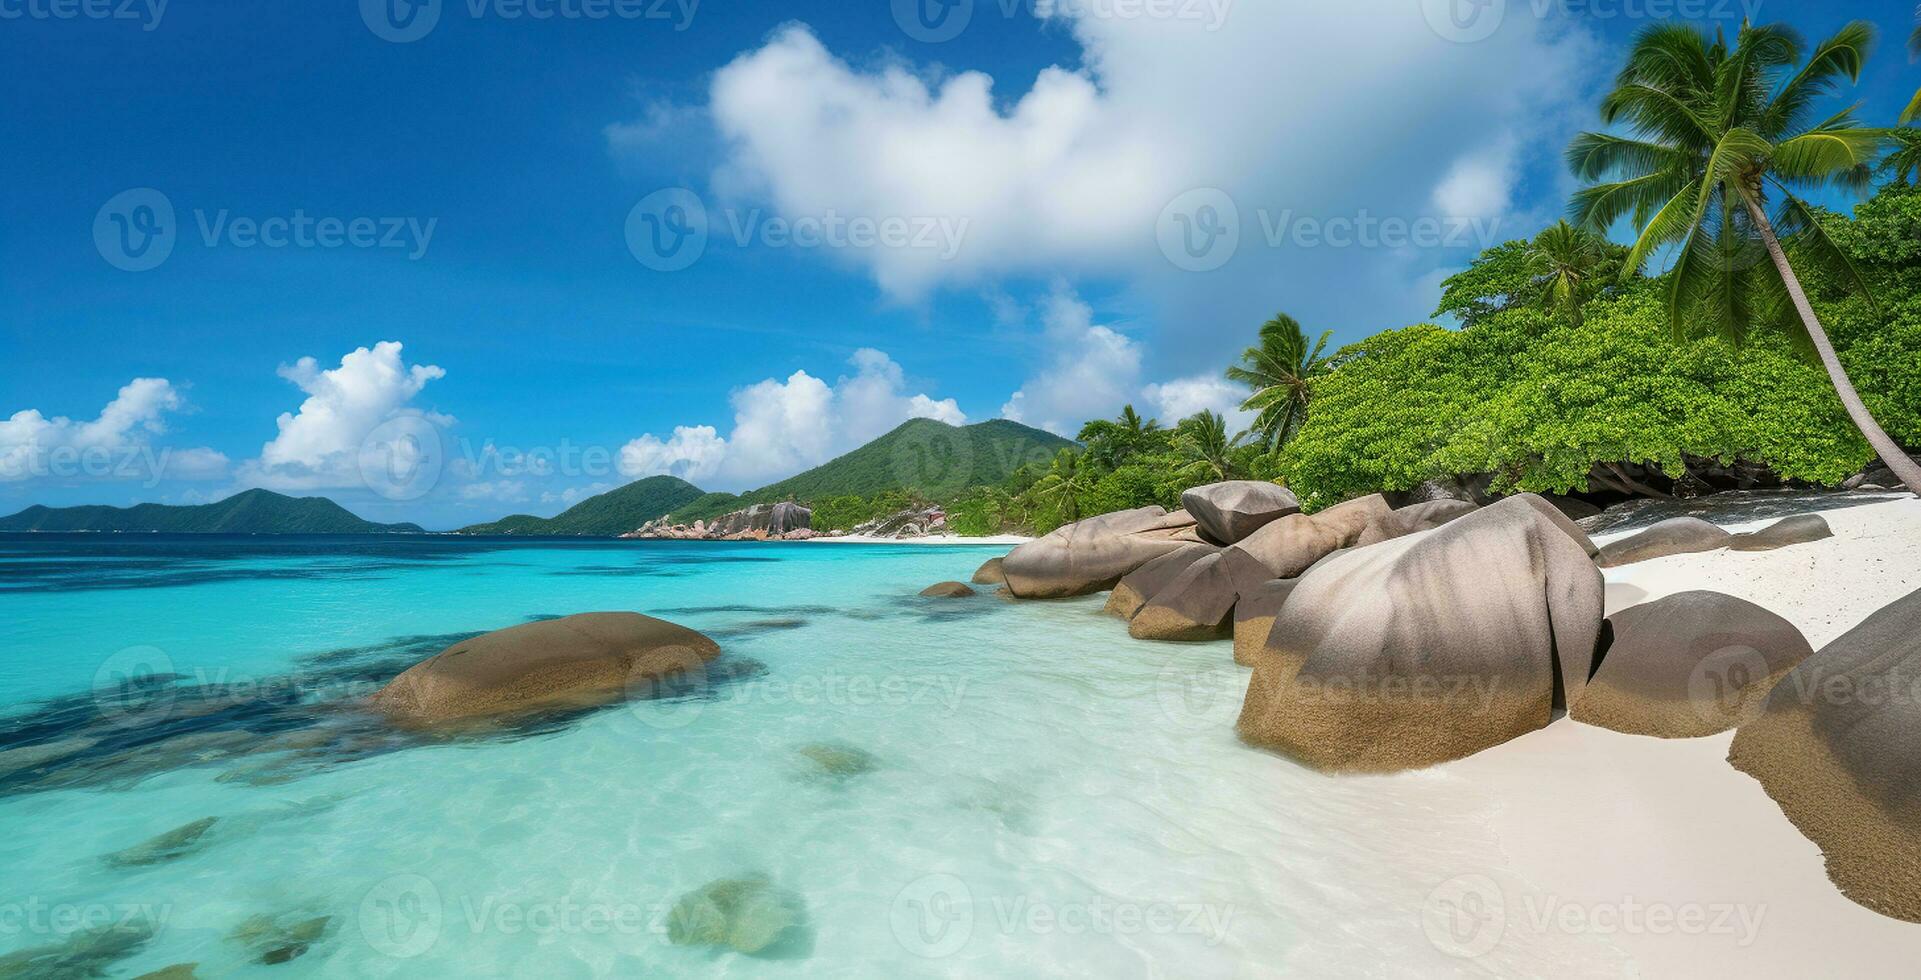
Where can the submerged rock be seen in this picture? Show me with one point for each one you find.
(1804, 529)
(990, 573)
(178, 971)
(1428, 648)
(271, 940)
(1229, 512)
(838, 760)
(1689, 665)
(577, 662)
(749, 914)
(1838, 746)
(176, 843)
(948, 590)
(1674, 536)
(88, 953)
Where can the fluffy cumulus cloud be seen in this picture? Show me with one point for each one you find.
(116, 445)
(320, 445)
(1177, 399)
(1091, 370)
(784, 427)
(1364, 111)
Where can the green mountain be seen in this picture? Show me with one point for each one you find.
(936, 459)
(251, 512)
(613, 513)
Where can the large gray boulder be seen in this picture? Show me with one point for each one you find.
(1689, 665)
(1229, 512)
(1674, 536)
(1413, 520)
(1254, 617)
(1093, 555)
(1560, 519)
(1429, 647)
(1143, 583)
(1197, 604)
(1838, 746)
(1291, 545)
(990, 573)
(575, 662)
(1805, 529)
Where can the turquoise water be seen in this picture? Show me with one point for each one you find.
(1046, 797)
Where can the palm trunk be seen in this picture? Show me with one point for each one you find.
(1896, 459)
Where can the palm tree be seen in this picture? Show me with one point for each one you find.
(1719, 135)
(1280, 371)
(1203, 441)
(1570, 265)
(1113, 442)
(1064, 484)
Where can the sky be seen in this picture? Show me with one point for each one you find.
(444, 260)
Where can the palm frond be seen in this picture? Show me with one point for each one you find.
(1841, 57)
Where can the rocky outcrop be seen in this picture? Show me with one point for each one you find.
(1147, 581)
(1429, 647)
(1228, 512)
(784, 521)
(1689, 665)
(947, 590)
(1805, 529)
(1674, 536)
(1092, 555)
(990, 573)
(574, 662)
(1291, 545)
(1197, 604)
(1838, 746)
(1560, 519)
(1412, 520)
(1254, 617)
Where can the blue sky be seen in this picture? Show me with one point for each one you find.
(1022, 184)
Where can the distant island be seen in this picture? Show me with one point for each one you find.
(611, 514)
(248, 512)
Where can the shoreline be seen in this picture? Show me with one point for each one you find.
(1007, 540)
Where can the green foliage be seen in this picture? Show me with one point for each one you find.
(1280, 370)
(248, 512)
(1499, 278)
(613, 513)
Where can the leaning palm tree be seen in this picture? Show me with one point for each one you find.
(1719, 136)
(1914, 46)
(1280, 370)
(1064, 484)
(1204, 443)
(1569, 264)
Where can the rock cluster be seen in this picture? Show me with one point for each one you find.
(761, 522)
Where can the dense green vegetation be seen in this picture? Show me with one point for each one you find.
(250, 512)
(613, 513)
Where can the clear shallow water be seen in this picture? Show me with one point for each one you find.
(1049, 797)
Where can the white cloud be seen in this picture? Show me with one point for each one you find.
(116, 445)
(319, 446)
(1182, 397)
(1070, 172)
(1091, 370)
(784, 427)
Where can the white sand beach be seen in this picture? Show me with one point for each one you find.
(1662, 849)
